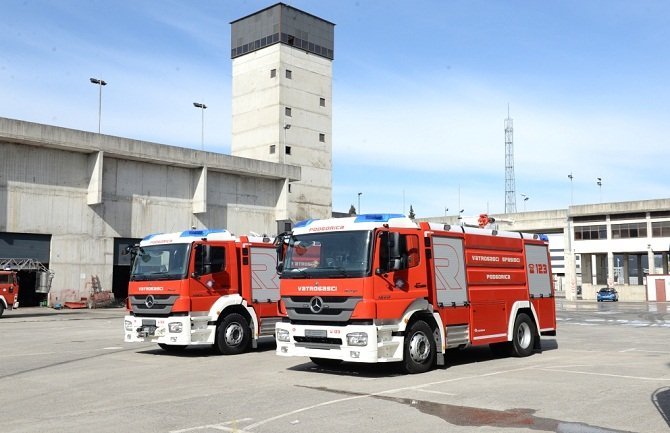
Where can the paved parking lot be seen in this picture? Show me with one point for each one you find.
(608, 370)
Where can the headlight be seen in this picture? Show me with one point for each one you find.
(128, 324)
(175, 327)
(283, 335)
(357, 339)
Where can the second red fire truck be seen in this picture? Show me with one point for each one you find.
(383, 288)
(202, 287)
(9, 290)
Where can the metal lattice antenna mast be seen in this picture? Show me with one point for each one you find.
(510, 190)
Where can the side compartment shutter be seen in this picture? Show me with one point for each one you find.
(449, 271)
(264, 278)
(537, 271)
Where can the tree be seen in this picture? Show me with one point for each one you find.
(411, 212)
(352, 210)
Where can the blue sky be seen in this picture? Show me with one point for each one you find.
(420, 91)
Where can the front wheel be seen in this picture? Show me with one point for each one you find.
(2, 308)
(419, 348)
(233, 335)
(523, 338)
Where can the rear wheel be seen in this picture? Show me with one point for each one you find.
(523, 337)
(2, 308)
(233, 335)
(419, 348)
(172, 348)
(325, 362)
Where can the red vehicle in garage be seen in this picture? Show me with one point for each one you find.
(383, 288)
(9, 291)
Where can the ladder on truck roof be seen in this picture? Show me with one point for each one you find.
(45, 275)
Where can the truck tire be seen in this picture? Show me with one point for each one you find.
(172, 348)
(2, 308)
(523, 336)
(233, 335)
(419, 348)
(325, 362)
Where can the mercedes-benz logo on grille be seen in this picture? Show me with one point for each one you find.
(150, 301)
(316, 304)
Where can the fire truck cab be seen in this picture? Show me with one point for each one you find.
(202, 287)
(383, 288)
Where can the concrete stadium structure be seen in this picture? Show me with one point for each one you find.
(592, 246)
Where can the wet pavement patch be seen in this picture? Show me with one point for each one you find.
(477, 417)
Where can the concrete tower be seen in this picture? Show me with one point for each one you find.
(282, 102)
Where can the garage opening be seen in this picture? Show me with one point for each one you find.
(121, 270)
(27, 246)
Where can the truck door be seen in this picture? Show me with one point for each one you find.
(398, 280)
(210, 275)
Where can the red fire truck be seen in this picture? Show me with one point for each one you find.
(202, 287)
(382, 288)
(9, 291)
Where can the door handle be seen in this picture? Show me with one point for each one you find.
(420, 285)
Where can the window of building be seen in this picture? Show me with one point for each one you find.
(660, 229)
(289, 74)
(322, 138)
(629, 230)
(322, 102)
(288, 150)
(289, 187)
(273, 73)
(272, 148)
(287, 111)
(590, 232)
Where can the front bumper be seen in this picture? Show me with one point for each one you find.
(330, 342)
(177, 330)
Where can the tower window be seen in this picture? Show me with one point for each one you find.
(287, 111)
(322, 138)
(273, 73)
(289, 190)
(288, 150)
(272, 148)
(289, 74)
(322, 102)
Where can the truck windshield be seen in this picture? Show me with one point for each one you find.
(161, 262)
(328, 255)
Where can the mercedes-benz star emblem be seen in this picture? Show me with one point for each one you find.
(316, 304)
(150, 301)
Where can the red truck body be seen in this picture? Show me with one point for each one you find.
(9, 291)
(202, 287)
(382, 288)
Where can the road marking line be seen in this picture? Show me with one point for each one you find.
(620, 376)
(389, 391)
(220, 426)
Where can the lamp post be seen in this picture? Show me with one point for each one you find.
(100, 83)
(570, 176)
(525, 199)
(599, 182)
(359, 202)
(282, 151)
(202, 108)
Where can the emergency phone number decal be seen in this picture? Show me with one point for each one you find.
(538, 268)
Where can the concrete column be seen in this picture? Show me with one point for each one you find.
(610, 269)
(200, 193)
(94, 195)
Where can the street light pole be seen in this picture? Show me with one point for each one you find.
(525, 199)
(359, 202)
(599, 181)
(570, 176)
(202, 108)
(100, 83)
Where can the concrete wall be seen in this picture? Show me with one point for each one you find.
(85, 190)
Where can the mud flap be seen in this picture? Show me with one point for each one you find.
(440, 359)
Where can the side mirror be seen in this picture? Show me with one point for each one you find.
(280, 267)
